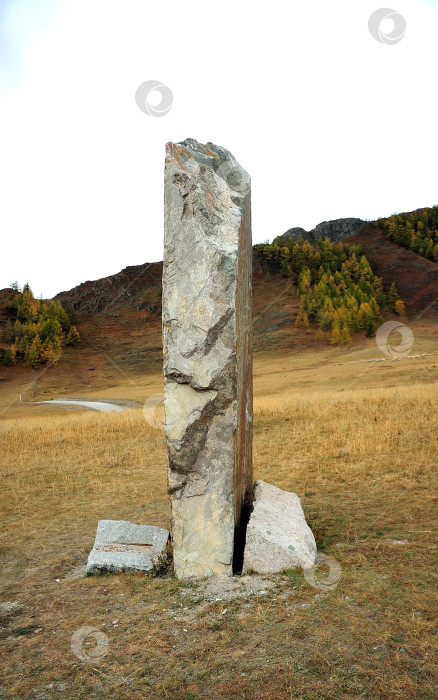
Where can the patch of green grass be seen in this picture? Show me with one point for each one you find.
(294, 576)
(17, 631)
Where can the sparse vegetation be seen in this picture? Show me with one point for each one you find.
(40, 330)
(351, 431)
(367, 480)
(336, 287)
(417, 230)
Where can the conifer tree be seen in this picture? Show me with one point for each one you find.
(305, 279)
(32, 354)
(393, 296)
(39, 332)
(345, 335)
(336, 335)
(73, 336)
(6, 357)
(364, 314)
(369, 327)
(26, 305)
(400, 308)
(50, 352)
(302, 320)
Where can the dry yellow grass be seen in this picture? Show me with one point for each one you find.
(64, 472)
(364, 463)
(303, 368)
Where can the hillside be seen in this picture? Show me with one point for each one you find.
(119, 317)
(119, 320)
(415, 276)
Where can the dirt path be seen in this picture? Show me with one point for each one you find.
(96, 405)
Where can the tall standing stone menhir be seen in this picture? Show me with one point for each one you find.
(207, 341)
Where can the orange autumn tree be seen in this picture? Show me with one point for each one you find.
(40, 332)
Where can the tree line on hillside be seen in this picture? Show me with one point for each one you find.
(39, 332)
(417, 230)
(337, 288)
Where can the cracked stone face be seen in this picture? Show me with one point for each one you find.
(207, 347)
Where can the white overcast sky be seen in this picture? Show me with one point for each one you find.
(328, 121)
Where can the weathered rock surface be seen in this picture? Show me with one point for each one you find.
(295, 233)
(337, 229)
(277, 535)
(10, 609)
(207, 353)
(124, 546)
(334, 230)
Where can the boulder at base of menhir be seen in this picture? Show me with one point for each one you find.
(277, 535)
(123, 546)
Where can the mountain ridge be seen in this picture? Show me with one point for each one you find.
(335, 230)
(119, 316)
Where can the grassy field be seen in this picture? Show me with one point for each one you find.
(355, 439)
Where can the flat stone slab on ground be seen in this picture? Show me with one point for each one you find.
(124, 546)
(277, 535)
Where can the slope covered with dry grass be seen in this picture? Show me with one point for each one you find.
(364, 463)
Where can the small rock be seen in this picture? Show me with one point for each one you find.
(9, 609)
(290, 543)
